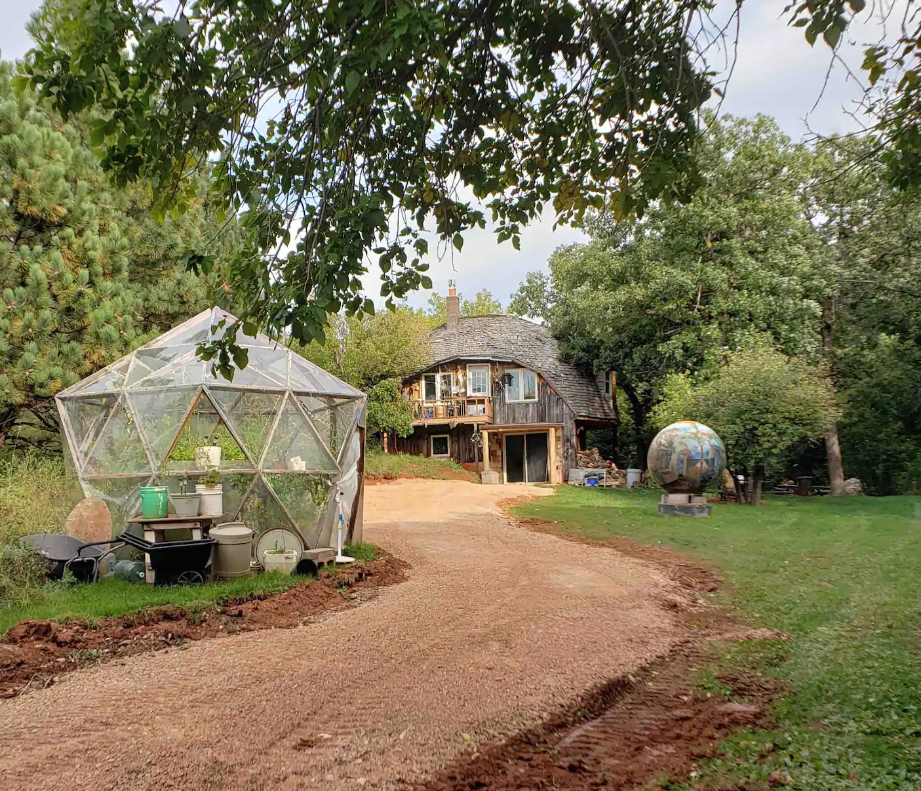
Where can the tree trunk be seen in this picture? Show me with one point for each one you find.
(757, 482)
(833, 454)
(639, 425)
(740, 492)
(832, 446)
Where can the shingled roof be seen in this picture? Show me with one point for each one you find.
(510, 338)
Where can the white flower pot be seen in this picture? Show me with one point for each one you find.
(282, 562)
(212, 500)
(208, 457)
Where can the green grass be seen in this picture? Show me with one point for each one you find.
(402, 465)
(107, 597)
(843, 577)
(363, 552)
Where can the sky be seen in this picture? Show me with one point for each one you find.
(776, 73)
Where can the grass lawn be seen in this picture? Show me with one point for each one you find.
(843, 577)
(390, 466)
(60, 601)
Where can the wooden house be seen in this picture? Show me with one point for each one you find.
(496, 394)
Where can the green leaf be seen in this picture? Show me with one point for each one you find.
(832, 36)
(240, 356)
(351, 81)
(458, 241)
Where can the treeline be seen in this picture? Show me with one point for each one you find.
(794, 268)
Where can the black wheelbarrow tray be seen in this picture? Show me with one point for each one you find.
(175, 562)
(63, 553)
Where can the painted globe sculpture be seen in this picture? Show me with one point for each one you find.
(686, 457)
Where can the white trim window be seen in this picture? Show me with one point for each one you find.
(436, 387)
(478, 380)
(440, 445)
(523, 386)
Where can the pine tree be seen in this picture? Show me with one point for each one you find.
(85, 273)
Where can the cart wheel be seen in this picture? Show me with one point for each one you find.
(191, 578)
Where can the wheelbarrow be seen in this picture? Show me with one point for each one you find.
(63, 553)
(175, 562)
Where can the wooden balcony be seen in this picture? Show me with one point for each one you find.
(449, 411)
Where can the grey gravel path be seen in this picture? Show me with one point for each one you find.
(495, 628)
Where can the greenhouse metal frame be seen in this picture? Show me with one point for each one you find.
(291, 434)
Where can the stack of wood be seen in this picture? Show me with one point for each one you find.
(591, 459)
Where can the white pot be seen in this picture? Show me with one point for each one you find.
(208, 456)
(212, 500)
(282, 562)
(297, 464)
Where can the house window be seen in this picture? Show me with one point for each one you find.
(441, 444)
(438, 386)
(607, 383)
(523, 385)
(477, 380)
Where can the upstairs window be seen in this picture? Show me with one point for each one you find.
(477, 380)
(523, 385)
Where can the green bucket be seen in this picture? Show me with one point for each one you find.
(154, 500)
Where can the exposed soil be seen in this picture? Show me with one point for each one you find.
(447, 474)
(687, 571)
(626, 734)
(35, 654)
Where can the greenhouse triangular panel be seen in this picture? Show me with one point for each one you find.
(118, 450)
(86, 416)
(294, 444)
(109, 380)
(303, 496)
(161, 414)
(333, 418)
(309, 378)
(251, 415)
(262, 512)
(205, 428)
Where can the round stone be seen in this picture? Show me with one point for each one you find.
(686, 457)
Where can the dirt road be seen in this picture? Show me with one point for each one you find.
(495, 628)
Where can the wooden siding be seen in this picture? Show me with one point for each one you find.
(548, 408)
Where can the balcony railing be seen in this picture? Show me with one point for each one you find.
(464, 409)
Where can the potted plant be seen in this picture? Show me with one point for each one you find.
(280, 559)
(211, 493)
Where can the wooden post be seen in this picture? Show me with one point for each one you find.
(551, 455)
(485, 450)
(385, 442)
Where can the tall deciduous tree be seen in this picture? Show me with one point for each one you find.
(84, 275)
(760, 402)
(670, 293)
(374, 353)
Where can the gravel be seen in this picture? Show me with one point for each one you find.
(496, 627)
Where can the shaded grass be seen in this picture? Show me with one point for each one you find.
(389, 466)
(843, 577)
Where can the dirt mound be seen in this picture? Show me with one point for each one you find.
(624, 735)
(33, 654)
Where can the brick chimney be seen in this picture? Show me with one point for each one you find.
(452, 305)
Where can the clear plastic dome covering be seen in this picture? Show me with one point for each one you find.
(289, 432)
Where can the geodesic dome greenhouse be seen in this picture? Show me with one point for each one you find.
(291, 434)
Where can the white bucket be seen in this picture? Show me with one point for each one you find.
(212, 500)
(282, 562)
(186, 504)
(208, 456)
(634, 477)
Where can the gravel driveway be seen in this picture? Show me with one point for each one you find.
(495, 628)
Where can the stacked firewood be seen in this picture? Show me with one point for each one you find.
(591, 459)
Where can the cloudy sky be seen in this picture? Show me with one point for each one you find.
(776, 73)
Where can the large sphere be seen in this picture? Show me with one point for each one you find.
(686, 457)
